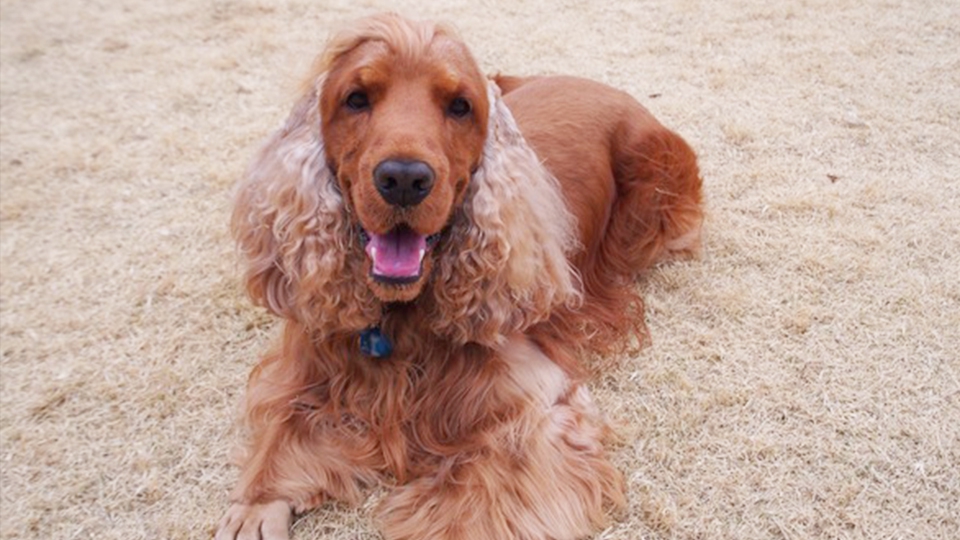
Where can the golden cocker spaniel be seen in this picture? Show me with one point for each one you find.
(447, 252)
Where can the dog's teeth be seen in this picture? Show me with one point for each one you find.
(373, 253)
(422, 253)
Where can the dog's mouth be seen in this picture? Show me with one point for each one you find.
(396, 258)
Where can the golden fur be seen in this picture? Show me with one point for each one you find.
(479, 415)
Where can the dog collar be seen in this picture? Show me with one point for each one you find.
(374, 343)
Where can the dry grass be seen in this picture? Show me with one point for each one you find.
(805, 376)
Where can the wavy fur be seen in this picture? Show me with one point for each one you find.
(506, 266)
(291, 226)
(543, 222)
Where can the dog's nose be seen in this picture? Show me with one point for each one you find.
(403, 183)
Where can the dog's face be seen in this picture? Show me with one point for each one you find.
(403, 132)
(401, 168)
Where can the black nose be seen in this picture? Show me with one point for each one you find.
(403, 183)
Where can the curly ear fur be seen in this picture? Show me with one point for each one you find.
(504, 266)
(291, 226)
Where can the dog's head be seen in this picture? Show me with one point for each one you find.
(400, 176)
(404, 112)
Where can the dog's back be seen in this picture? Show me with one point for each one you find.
(633, 185)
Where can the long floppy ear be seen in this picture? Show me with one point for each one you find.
(505, 264)
(290, 223)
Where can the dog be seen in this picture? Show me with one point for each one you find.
(447, 253)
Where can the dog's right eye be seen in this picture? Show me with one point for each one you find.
(357, 101)
(459, 108)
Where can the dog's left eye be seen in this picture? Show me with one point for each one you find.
(357, 101)
(459, 107)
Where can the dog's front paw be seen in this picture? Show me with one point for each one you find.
(269, 521)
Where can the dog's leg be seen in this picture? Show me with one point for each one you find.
(656, 216)
(298, 457)
(540, 474)
(658, 213)
(294, 469)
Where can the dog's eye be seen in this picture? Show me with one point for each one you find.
(459, 108)
(357, 101)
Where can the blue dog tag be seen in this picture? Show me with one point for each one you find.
(374, 344)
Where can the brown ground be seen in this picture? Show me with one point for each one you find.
(805, 376)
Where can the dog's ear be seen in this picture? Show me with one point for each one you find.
(290, 224)
(505, 266)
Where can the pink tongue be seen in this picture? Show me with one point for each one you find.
(398, 253)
